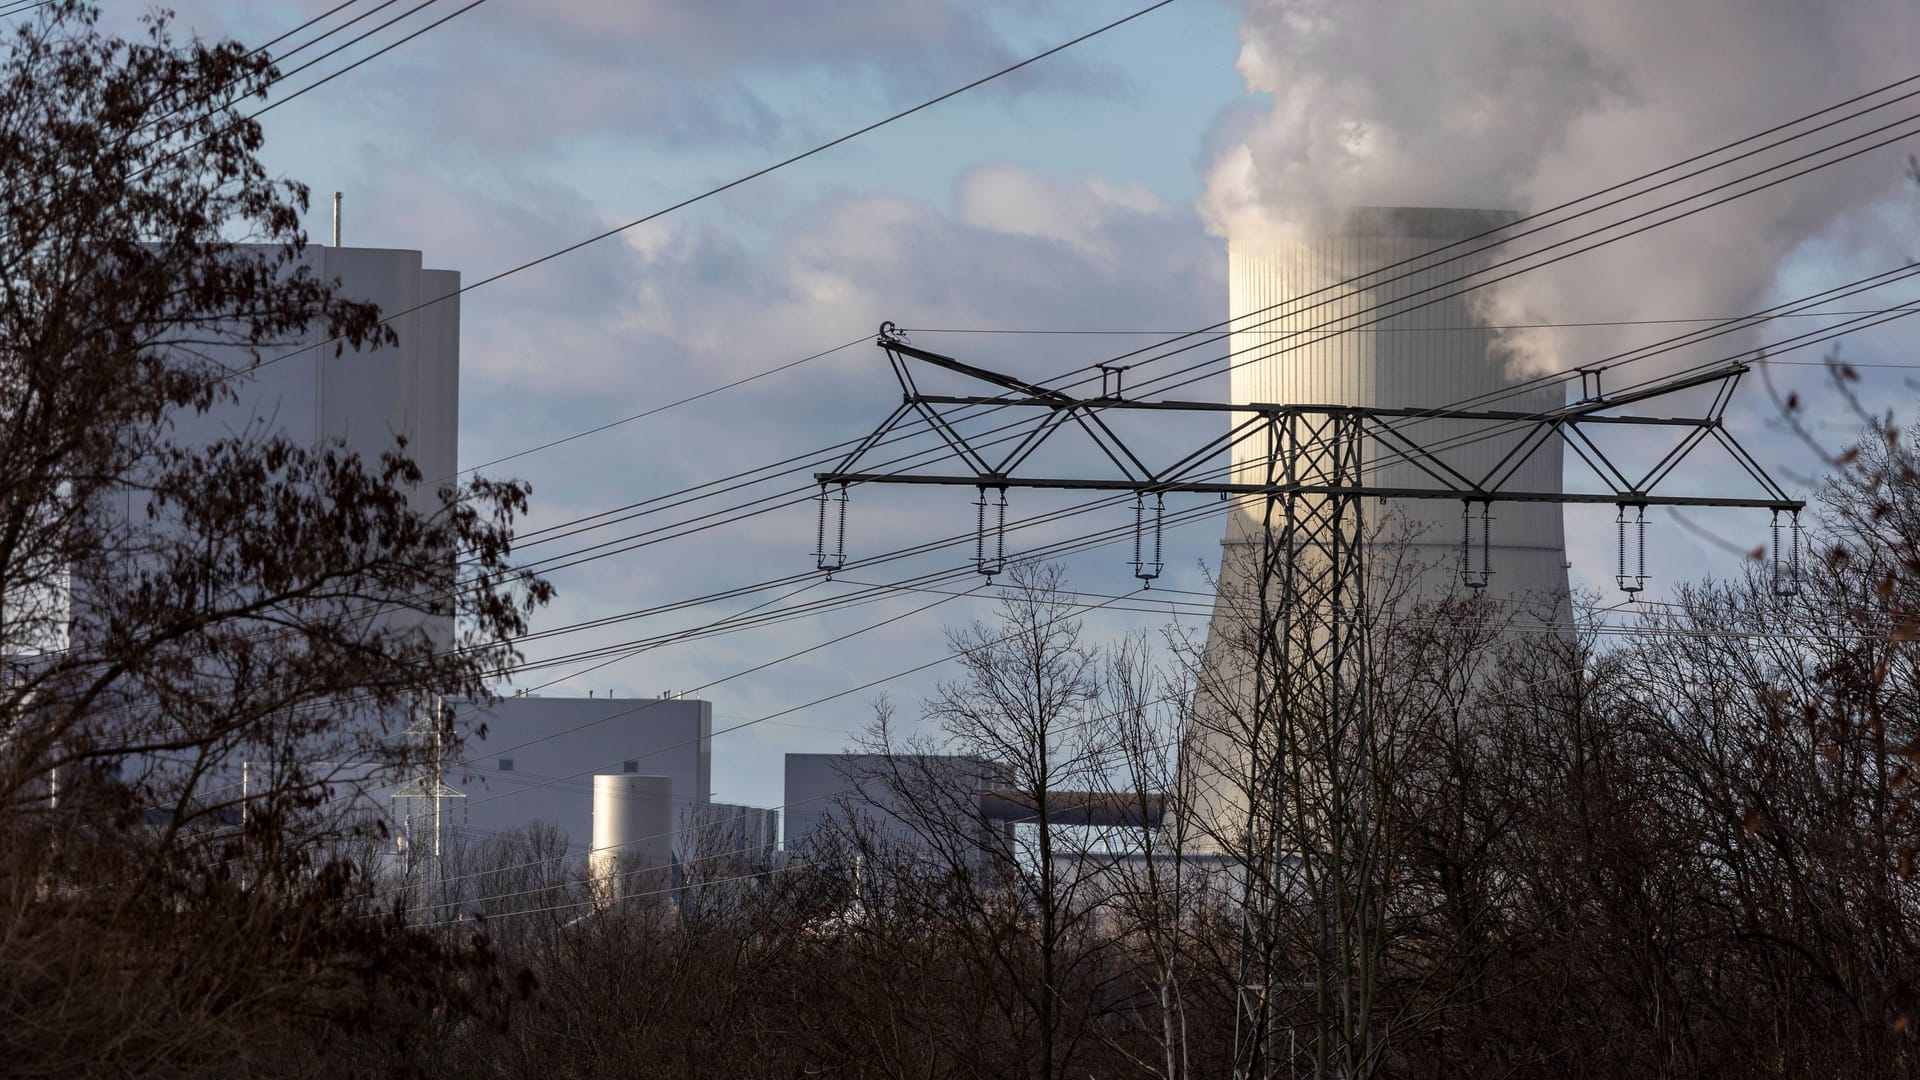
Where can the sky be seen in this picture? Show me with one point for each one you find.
(1090, 191)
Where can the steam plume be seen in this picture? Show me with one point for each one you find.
(1525, 103)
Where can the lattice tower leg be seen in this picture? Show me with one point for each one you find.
(1311, 775)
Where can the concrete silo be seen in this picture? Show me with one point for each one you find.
(633, 833)
(1395, 338)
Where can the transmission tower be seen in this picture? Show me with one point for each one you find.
(426, 794)
(1312, 540)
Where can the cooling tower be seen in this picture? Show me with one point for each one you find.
(1405, 341)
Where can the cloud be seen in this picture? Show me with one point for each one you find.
(1526, 103)
(518, 74)
(684, 305)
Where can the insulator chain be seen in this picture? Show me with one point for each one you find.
(835, 558)
(1470, 577)
(990, 558)
(1143, 568)
(1636, 581)
(1786, 557)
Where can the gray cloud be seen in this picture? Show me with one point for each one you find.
(1525, 103)
(518, 74)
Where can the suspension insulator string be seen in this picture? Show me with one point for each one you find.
(1794, 564)
(1139, 526)
(1486, 543)
(1631, 584)
(980, 533)
(1640, 523)
(836, 558)
(1000, 535)
(1144, 570)
(1159, 524)
(1466, 543)
(1471, 578)
(1793, 558)
(820, 535)
(840, 544)
(1779, 579)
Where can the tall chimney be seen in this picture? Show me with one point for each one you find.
(336, 219)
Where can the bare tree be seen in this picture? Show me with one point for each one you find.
(1018, 731)
(185, 625)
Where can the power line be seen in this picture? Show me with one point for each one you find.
(822, 354)
(1464, 328)
(1589, 234)
(748, 178)
(1649, 226)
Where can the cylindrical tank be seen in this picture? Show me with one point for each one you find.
(632, 829)
(1303, 336)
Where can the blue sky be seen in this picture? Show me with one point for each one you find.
(1069, 195)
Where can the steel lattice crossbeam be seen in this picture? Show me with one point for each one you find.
(1395, 432)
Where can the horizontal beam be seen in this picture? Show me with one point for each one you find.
(1569, 415)
(1152, 487)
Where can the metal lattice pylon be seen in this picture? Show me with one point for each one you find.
(424, 797)
(1311, 729)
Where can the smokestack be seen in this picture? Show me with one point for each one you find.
(336, 219)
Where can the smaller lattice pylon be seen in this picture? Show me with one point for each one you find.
(426, 795)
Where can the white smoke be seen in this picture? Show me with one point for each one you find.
(1524, 104)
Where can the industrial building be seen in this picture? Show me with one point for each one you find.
(893, 799)
(530, 758)
(525, 760)
(368, 399)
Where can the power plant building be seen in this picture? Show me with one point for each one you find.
(533, 759)
(368, 399)
(894, 799)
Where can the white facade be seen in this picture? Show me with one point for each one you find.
(372, 397)
(368, 399)
(528, 759)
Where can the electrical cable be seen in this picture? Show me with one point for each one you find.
(749, 177)
(1740, 193)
